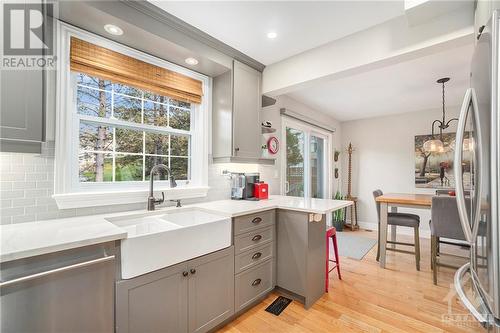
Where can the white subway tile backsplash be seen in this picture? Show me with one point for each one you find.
(5, 219)
(11, 194)
(24, 202)
(23, 218)
(35, 209)
(44, 168)
(47, 215)
(4, 186)
(36, 193)
(48, 184)
(5, 203)
(27, 184)
(36, 176)
(45, 201)
(11, 211)
(23, 185)
(12, 176)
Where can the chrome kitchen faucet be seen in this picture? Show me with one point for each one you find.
(152, 201)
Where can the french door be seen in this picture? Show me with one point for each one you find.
(306, 171)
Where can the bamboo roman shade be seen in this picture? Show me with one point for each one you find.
(110, 65)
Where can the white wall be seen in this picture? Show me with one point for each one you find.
(384, 158)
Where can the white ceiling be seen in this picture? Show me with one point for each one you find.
(300, 26)
(404, 87)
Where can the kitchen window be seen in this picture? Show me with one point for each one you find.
(124, 132)
(120, 113)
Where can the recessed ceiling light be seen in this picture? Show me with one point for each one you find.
(113, 29)
(191, 61)
(272, 35)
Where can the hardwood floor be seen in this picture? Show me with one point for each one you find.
(370, 299)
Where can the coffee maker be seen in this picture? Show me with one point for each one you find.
(250, 180)
(242, 185)
(238, 182)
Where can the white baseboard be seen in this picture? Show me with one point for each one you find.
(424, 233)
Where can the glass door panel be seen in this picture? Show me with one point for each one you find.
(317, 158)
(294, 168)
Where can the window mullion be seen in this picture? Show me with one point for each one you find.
(143, 140)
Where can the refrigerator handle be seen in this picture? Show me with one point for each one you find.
(459, 274)
(478, 146)
(462, 211)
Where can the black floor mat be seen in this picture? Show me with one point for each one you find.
(278, 305)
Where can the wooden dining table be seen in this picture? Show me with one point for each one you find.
(396, 200)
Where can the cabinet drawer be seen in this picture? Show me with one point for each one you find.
(251, 222)
(253, 257)
(252, 284)
(253, 239)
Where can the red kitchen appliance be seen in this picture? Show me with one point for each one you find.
(261, 190)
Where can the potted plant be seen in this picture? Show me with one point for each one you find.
(338, 216)
(265, 151)
(336, 154)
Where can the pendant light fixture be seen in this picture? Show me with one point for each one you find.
(436, 144)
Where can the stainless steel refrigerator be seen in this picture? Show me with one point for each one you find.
(476, 169)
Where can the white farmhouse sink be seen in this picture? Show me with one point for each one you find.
(159, 239)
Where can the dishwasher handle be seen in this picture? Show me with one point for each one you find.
(56, 270)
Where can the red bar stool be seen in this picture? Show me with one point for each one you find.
(331, 233)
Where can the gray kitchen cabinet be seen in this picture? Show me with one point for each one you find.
(211, 290)
(246, 108)
(27, 103)
(237, 102)
(154, 302)
(193, 296)
(301, 255)
(22, 110)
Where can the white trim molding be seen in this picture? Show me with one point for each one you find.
(68, 191)
(94, 199)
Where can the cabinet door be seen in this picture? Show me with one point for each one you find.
(211, 290)
(22, 104)
(246, 109)
(155, 302)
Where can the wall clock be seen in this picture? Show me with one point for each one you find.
(273, 145)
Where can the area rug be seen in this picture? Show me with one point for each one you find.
(352, 246)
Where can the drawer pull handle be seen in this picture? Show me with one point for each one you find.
(185, 273)
(256, 282)
(257, 255)
(257, 220)
(257, 238)
(193, 271)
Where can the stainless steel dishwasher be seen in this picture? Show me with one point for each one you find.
(67, 291)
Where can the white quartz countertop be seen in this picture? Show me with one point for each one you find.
(24, 240)
(241, 207)
(29, 239)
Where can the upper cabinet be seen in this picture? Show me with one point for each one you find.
(236, 129)
(22, 105)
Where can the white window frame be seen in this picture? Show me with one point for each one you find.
(68, 191)
(309, 131)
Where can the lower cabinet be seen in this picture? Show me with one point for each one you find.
(194, 296)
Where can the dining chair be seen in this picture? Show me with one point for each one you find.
(444, 223)
(400, 220)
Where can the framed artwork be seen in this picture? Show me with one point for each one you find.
(435, 170)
